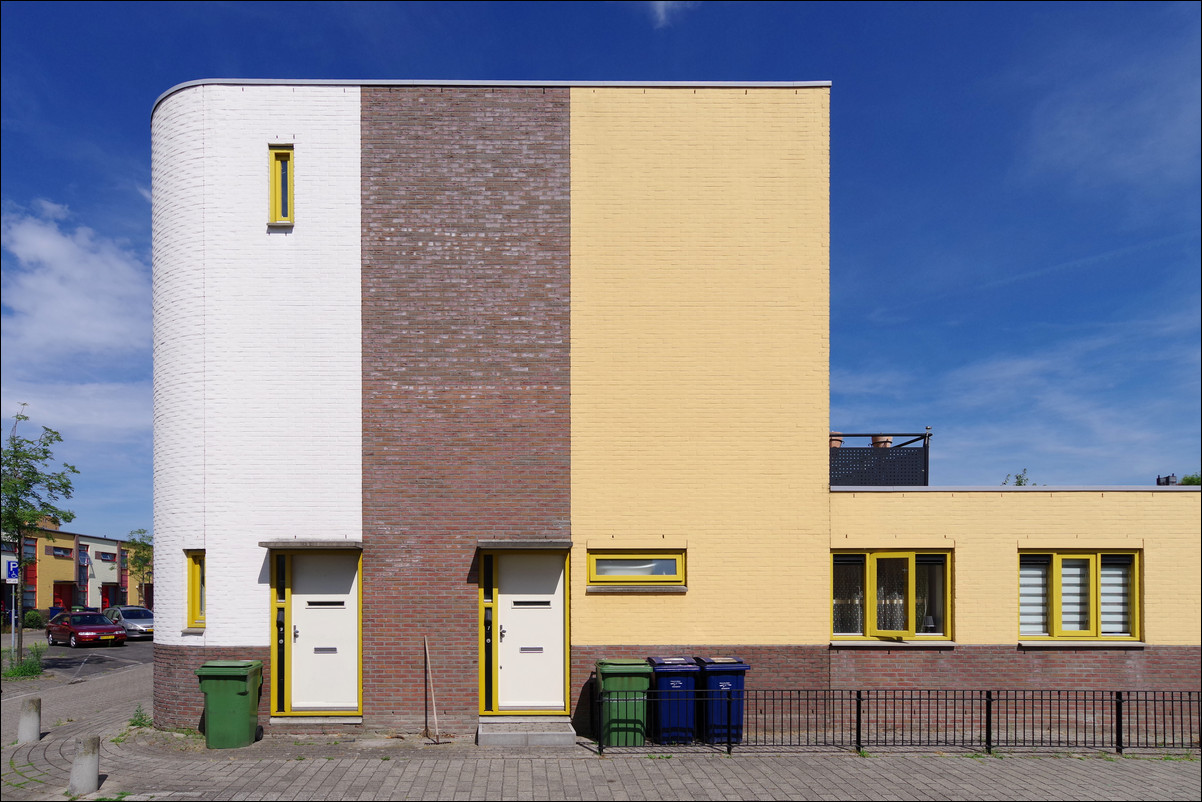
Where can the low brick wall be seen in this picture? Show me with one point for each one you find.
(1012, 667)
(178, 702)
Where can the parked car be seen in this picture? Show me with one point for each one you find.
(137, 621)
(76, 629)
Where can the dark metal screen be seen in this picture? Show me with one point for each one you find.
(864, 466)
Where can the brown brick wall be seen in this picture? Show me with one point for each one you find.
(1012, 667)
(465, 287)
(178, 702)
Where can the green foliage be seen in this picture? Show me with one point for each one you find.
(32, 490)
(1020, 479)
(141, 559)
(34, 620)
(30, 666)
(141, 718)
(1191, 479)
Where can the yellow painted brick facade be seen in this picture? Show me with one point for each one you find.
(986, 530)
(699, 355)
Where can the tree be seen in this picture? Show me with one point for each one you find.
(32, 491)
(1020, 479)
(140, 547)
(1192, 479)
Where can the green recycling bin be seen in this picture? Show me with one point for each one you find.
(624, 688)
(231, 689)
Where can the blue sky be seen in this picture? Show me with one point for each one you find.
(1015, 204)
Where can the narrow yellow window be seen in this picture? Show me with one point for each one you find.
(282, 185)
(891, 578)
(196, 589)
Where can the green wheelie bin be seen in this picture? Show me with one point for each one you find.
(231, 689)
(624, 685)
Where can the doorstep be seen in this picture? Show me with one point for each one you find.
(525, 731)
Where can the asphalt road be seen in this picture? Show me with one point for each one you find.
(89, 661)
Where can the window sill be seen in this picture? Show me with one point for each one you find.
(281, 224)
(1081, 644)
(590, 589)
(193, 631)
(947, 645)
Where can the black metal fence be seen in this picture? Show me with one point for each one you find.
(847, 719)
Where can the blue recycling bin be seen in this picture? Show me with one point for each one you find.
(674, 718)
(721, 699)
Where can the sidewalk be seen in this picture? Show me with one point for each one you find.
(143, 764)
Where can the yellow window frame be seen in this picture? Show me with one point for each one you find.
(282, 183)
(1054, 601)
(196, 588)
(871, 629)
(597, 578)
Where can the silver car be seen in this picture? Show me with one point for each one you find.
(138, 621)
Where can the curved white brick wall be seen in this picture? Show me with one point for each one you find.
(256, 343)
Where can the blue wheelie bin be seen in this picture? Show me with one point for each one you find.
(674, 716)
(721, 699)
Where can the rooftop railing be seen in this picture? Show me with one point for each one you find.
(882, 461)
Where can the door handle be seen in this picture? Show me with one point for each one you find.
(295, 633)
(502, 632)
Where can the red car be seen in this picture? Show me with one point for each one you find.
(76, 629)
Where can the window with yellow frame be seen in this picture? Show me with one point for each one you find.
(196, 588)
(891, 595)
(282, 183)
(660, 567)
(1078, 595)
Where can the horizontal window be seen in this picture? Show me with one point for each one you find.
(890, 594)
(61, 551)
(1078, 595)
(106, 556)
(636, 567)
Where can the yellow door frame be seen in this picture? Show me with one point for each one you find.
(486, 662)
(280, 622)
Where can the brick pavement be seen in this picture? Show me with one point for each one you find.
(148, 764)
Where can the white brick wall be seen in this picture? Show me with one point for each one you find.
(257, 343)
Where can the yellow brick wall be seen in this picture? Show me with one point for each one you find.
(700, 349)
(986, 530)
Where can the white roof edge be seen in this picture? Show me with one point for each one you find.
(1022, 489)
(430, 82)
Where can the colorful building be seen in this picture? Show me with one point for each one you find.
(67, 569)
(460, 387)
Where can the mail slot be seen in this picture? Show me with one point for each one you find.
(531, 650)
(325, 650)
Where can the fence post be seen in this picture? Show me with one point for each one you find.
(1118, 721)
(730, 724)
(989, 722)
(859, 712)
(598, 723)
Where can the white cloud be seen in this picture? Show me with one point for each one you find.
(71, 292)
(1118, 117)
(663, 13)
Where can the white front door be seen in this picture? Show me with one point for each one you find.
(530, 631)
(323, 654)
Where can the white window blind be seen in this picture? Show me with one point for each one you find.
(1116, 599)
(1074, 595)
(1033, 599)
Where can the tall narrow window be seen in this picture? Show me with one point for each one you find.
(282, 184)
(196, 588)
